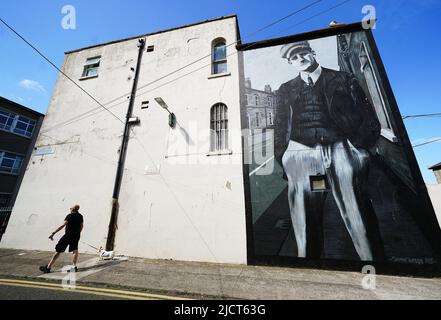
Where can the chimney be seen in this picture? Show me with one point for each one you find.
(248, 83)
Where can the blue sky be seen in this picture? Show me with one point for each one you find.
(406, 35)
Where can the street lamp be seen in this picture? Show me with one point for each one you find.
(171, 116)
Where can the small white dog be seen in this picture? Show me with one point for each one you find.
(106, 255)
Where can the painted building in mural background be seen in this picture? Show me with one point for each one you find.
(260, 106)
(343, 186)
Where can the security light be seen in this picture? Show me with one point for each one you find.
(171, 116)
(161, 103)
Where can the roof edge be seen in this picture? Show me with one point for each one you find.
(319, 33)
(435, 166)
(21, 106)
(156, 32)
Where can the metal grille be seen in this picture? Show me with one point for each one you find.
(219, 127)
(5, 213)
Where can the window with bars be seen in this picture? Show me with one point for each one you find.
(10, 162)
(91, 67)
(219, 63)
(219, 127)
(15, 123)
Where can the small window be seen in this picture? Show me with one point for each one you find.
(219, 127)
(150, 48)
(10, 162)
(17, 124)
(24, 126)
(270, 118)
(219, 56)
(144, 104)
(91, 67)
(318, 183)
(257, 119)
(6, 120)
(256, 98)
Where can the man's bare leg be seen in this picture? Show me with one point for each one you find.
(341, 179)
(300, 162)
(54, 258)
(75, 257)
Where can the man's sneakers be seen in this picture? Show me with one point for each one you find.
(74, 269)
(45, 269)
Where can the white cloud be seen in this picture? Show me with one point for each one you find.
(32, 85)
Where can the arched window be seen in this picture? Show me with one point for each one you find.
(219, 56)
(219, 127)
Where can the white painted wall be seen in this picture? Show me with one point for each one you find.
(186, 209)
(435, 196)
(82, 168)
(182, 211)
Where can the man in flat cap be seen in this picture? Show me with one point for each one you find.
(324, 125)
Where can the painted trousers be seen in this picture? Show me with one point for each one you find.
(345, 170)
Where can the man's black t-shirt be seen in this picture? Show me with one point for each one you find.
(73, 227)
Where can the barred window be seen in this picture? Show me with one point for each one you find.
(219, 63)
(219, 127)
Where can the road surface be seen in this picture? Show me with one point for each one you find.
(14, 289)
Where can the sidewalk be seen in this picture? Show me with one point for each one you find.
(206, 280)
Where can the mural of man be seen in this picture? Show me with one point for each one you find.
(324, 126)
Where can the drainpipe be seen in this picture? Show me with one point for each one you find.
(122, 155)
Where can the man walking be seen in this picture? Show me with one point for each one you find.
(74, 225)
(324, 126)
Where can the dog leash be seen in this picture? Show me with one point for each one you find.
(90, 245)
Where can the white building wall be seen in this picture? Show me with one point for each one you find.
(172, 206)
(83, 164)
(192, 207)
(435, 196)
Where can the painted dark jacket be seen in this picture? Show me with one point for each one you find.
(346, 102)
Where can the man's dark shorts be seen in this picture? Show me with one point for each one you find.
(66, 240)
